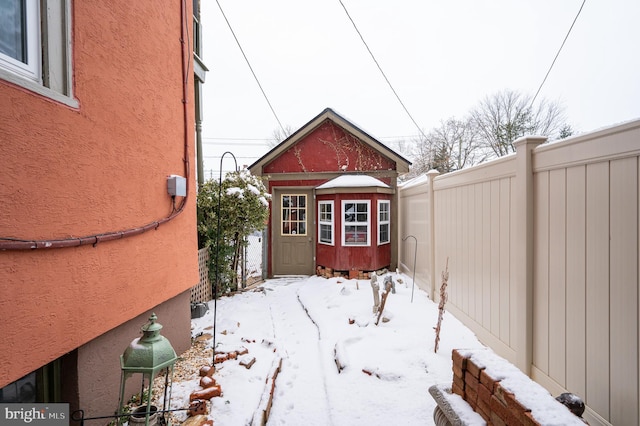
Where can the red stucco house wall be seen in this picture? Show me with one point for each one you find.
(93, 158)
(299, 173)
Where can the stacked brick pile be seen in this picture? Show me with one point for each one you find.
(359, 275)
(326, 272)
(484, 390)
(352, 274)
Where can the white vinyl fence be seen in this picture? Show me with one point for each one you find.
(543, 257)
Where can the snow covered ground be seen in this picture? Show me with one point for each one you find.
(386, 370)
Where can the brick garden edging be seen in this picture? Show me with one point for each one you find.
(501, 394)
(261, 415)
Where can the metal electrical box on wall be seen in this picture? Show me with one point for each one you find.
(177, 186)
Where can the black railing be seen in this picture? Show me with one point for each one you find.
(78, 415)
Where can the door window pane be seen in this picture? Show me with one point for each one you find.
(294, 215)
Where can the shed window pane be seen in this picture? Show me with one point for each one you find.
(384, 215)
(325, 222)
(356, 222)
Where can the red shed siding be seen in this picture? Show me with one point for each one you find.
(312, 183)
(346, 258)
(329, 148)
(325, 148)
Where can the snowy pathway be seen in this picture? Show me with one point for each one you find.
(301, 395)
(386, 370)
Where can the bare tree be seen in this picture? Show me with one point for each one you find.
(488, 132)
(400, 146)
(280, 134)
(456, 145)
(451, 146)
(422, 153)
(505, 116)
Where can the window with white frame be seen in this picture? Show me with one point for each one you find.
(20, 37)
(356, 223)
(35, 47)
(325, 222)
(384, 218)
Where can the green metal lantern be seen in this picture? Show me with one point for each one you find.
(148, 355)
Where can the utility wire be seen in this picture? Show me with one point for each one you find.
(380, 68)
(250, 67)
(214, 140)
(221, 141)
(558, 54)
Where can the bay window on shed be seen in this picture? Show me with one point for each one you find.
(354, 211)
(325, 222)
(384, 216)
(356, 222)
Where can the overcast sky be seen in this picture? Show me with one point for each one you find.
(442, 58)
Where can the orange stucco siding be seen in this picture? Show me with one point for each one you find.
(102, 167)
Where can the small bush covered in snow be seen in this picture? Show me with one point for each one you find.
(243, 203)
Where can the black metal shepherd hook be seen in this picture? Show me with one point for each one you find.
(217, 274)
(415, 253)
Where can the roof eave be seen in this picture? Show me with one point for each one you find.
(402, 164)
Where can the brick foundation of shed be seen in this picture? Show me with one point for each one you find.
(353, 274)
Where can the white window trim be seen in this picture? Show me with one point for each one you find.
(368, 223)
(385, 222)
(55, 79)
(330, 223)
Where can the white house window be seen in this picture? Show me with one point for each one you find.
(356, 223)
(35, 47)
(325, 222)
(384, 215)
(20, 37)
(294, 215)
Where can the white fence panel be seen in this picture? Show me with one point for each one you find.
(542, 248)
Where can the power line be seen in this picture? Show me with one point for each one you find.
(380, 68)
(250, 67)
(246, 157)
(220, 141)
(236, 139)
(558, 54)
(244, 142)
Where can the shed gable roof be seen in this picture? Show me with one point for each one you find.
(399, 163)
